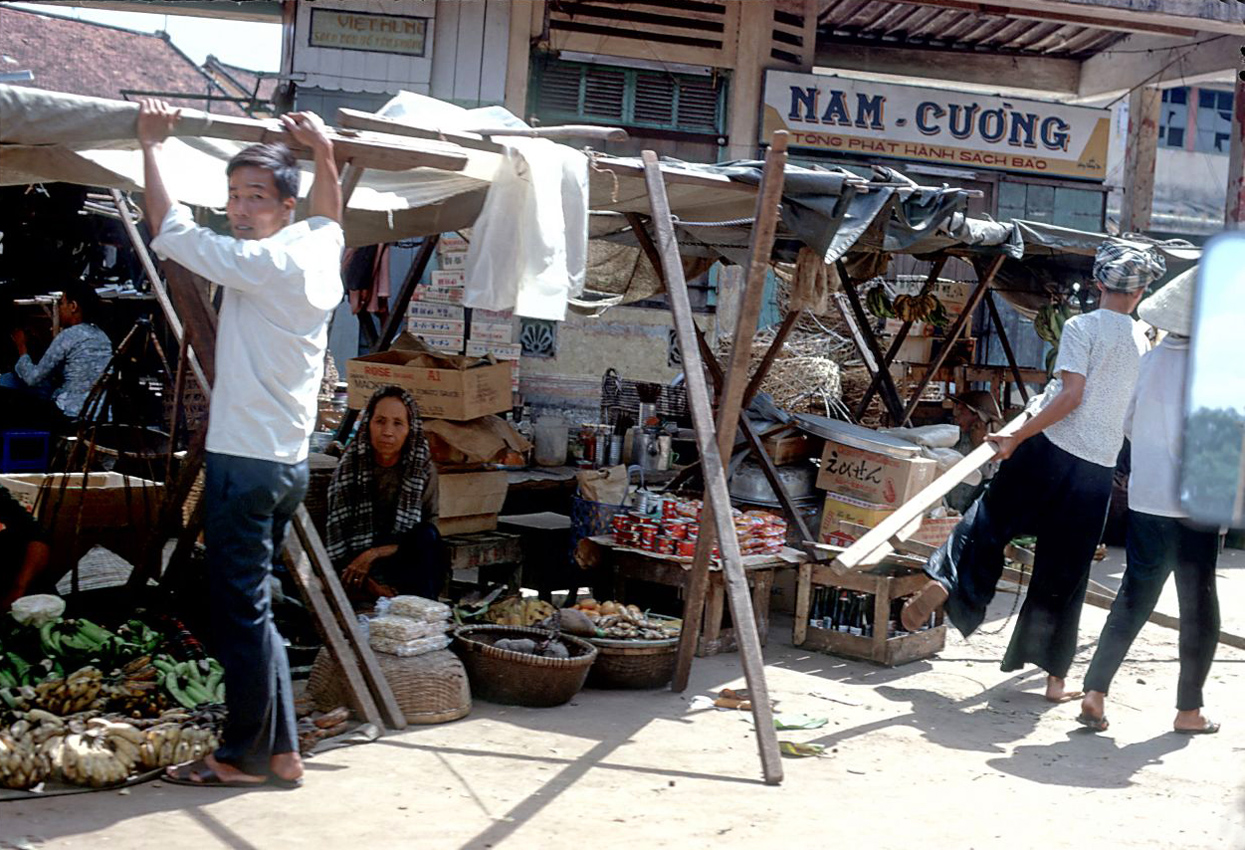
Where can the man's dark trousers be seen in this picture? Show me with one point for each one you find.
(248, 508)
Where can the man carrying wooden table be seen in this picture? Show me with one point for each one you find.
(1055, 481)
(281, 281)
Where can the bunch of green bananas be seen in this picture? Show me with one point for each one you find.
(1050, 320)
(1049, 324)
(879, 304)
(192, 683)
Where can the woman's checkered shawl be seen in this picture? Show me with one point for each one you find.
(352, 491)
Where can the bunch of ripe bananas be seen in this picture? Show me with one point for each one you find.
(907, 308)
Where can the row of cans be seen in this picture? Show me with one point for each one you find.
(670, 536)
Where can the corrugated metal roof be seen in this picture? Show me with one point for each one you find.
(962, 28)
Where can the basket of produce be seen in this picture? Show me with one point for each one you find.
(634, 650)
(518, 665)
(429, 688)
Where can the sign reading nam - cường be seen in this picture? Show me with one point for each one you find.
(853, 116)
(375, 33)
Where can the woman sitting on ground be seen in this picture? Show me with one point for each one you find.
(78, 355)
(382, 504)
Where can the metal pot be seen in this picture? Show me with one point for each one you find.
(749, 483)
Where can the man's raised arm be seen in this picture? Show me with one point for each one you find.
(156, 120)
(326, 192)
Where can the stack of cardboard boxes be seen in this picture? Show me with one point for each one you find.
(864, 487)
(437, 315)
(453, 387)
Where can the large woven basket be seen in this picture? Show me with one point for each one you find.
(429, 688)
(516, 678)
(636, 664)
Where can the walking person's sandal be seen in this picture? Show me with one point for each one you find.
(1093, 724)
(1208, 727)
(200, 774)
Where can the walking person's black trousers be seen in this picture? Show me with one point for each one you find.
(1157, 546)
(1042, 490)
(249, 506)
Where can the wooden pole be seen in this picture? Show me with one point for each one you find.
(1141, 150)
(397, 307)
(715, 476)
(1234, 209)
(957, 328)
(867, 342)
(875, 545)
(731, 392)
(897, 343)
(1007, 347)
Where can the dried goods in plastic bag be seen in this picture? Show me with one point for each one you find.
(408, 648)
(418, 608)
(404, 628)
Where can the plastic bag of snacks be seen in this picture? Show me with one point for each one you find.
(408, 648)
(404, 628)
(418, 608)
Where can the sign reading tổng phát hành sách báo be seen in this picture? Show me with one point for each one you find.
(376, 33)
(853, 116)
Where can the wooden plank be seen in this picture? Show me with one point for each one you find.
(298, 563)
(715, 473)
(397, 307)
(858, 324)
(897, 343)
(470, 52)
(1140, 154)
(1007, 347)
(803, 588)
(518, 56)
(378, 152)
(1234, 209)
(732, 387)
(876, 544)
(445, 50)
(957, 328)
(495, 52)
(322, 567)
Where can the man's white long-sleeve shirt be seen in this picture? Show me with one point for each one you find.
(273, 328)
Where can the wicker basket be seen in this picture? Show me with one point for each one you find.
(429, 688)
(516, 678)
(634, 664)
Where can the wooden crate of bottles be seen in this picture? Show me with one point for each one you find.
(856, 615)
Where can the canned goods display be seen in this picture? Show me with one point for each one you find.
(665, 546)
(648, 535)
(686, 548)
(623, 522)
(670, 509)
(676, 528)
(625, 538)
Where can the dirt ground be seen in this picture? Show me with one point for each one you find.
(950, 753)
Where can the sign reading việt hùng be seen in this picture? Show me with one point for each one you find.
(375, 33)
(854, 116)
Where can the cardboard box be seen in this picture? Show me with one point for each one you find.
(790, 447)
(451, 243)
(443, 344)
(104, 501)
(844, 509)
(879, 479)
(914, 349)
(495, 317)
(440, 294)
(446, 386)
(432, 310)
(447, 278)
(490, 333)
(419, 326)
(466, 524)
(464, 494)
(499, 350)
(454, 261)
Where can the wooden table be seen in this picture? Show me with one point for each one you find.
(673, 571)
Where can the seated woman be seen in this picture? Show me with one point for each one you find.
(23, 553)
(72, 364)
(382, 503)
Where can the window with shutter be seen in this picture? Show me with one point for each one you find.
(573, 92)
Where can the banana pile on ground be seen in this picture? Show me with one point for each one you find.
(97, 751)
(516, 611)
(617, 621)
(907, 308)
(1049, 323)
